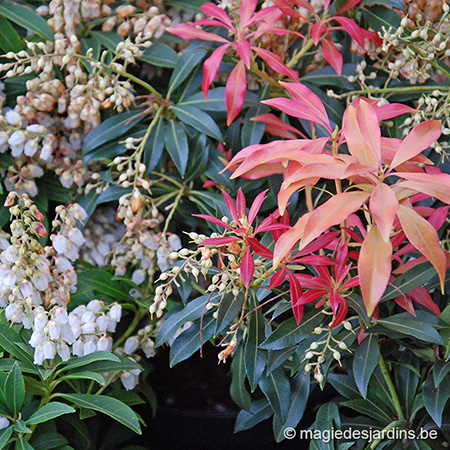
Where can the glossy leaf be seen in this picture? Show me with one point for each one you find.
(364, 363)
(214, 102)
(440, 370)
(154, 146)
(15, 390)
(109, 39)
(161, 55)
(235, 91)
(276, 63)
(5, 434)
(229, 308)
(435, 398)
(107, 405)
(13, 344)
(23, 444)
(175, 139)
(238, 391)
(247, 268)
(260, 410)
(332, 55)
(345, 385)
(49, 412)
(277, 389)
(383, 206)
(408, 380)
(9, 39)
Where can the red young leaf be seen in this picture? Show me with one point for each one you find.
(317, 30)
(230, 205)
(235, 91)
(256, 206)
(213, 10)
(241, 204)
(189, 31)
(246, 11)
(277, 278)
(332, 55)
(349, 5)
(211, 67)
(295, 288)
(213, 220)
(259, 249)
(220, 240)
(422, 296)
(343, 309)
(275, 126)
(276, 63)
(243, 49)
(247, 268)
(352, 29)
(386, 112)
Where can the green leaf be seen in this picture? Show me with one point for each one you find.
(389, 3)
(411, 279)
(20, 427)
(435, 398)
(440, 370)
(327, 76)
(192, 311)
(326, 417)
(11, 342)
(111, 129)
(238, 392)
(191, 5)
(215, 168)
(161, 55)
(15, 389)
(192, 339)
(48, 441)
(48, 412)
(26, 18)
(364, 363)
(101, 281)
(379, 16)
(112, 193)
(215, 102)
(9, 39)
(418, 444)
(297, 405)
(252, 130)
(109, 39)
(154, 146)
(107, 405)
(277, 357)
(198, 157)
(255, 357)
(288, 333)
(411, 327)
(230, 306)
(85, 376)
(193, 54)
(5, 434)
(106, 366)
(345, 385)
(23, 444)
(259, 411)
(277, 389)
(380, 388)
(369, 408)
(198, 119)
(408, 380)
(176, 142)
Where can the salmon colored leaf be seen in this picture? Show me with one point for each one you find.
(363, 135)
(433, 185)
(332, 212)
(374, 268)
(424, 237)
(247, 268)
(332, 55)
(383, 206)
(386, 112)
(276, 63)
(419, 139)
(211, 67)
(235, 91)
(189, 31)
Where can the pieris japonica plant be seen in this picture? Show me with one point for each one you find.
(270, 177)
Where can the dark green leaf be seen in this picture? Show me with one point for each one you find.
(198, 157)
(215, 170)
(112, 193)
(95, 45)
(20, 427)
(23, 444)
(238, 392)
(380, 388)
(198, 119)
(327, 76)
(259, 411)
(369, 408)
(277, 389)
(26, 18)
(255, 357)
(230, 306)
(187, 63)
(418, 444)
(289, 333)
(5, 434)
(105, 366)
(107, 405)
(15, 389)
(356, 303)
(154, 146)
(111, 129)
(192, 339)
(11, 342)
(101, 281)
(161, 55)
(389, 3)
(9, 39)
(408, 380)
(252, 130)
(345, 385)
(364, 363)
(176, 142)
(48, 412)
(215, 102)
(277, 357)
(327, 416)
(440, 370)
(192, 5)
(379, 16)
(435, 398)
(48, 441)
(411, 327)
(411, 279)
(297, 405)
(109, 39)
(84, 376)
(192, 311)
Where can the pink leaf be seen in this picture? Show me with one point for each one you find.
(317, 30)
(211, 67)
(241, 204)
(383, 206)
(275, 126)
(391, 110)
(235, 91)
(363, 134)
(295, 288)
(259, 249)
(230, 205)
(422, 296)
(332, 212)
(424, 237)
(243, 49)
(220, 240)
(332, 55)
(335, 299)
(246, 11)
(276, 63)
(213, 10)
(213, 220)
(352, 29)
(419, 139)
(343, 309)
(374, 268)
(350, 4)
(189, 31)
(247, 268)
(433, 185)
(256, 206)
(277, 278)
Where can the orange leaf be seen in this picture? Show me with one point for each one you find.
(374, 268)
(383, 206)
(334, 211)
(288, 239)
(419, 139)
(423, 236)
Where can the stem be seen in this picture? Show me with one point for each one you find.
(375, 442)
(296, 57)
(140, 313)
(174, 206)
(309, 199)
(263, 75)
(391, 387)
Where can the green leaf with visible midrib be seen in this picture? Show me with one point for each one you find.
(48, 412)
(228, 309)
(277, 389)
(176, 142)
(107, 405)
(108, 39)
(9, 39)
(26, 18)
(365, 361)
(5, 434)
(435, 398)
(87, 359)
(238, 392)
(14, 390)
(160, 55)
